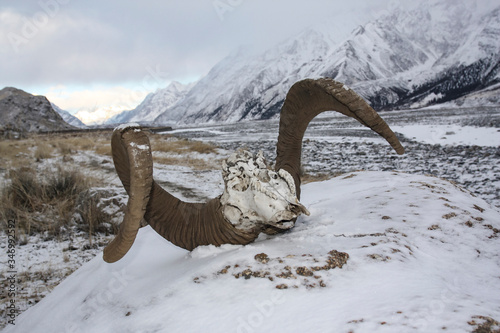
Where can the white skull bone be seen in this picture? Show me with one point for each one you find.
(255, 196)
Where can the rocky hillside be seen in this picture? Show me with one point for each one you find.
(21, 111)
(436, 52)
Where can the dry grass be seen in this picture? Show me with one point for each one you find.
(170, 150)
(72, 143)
(15, 153)
(92, 217)
(51, 201)
(180, 146)
(104, 149)
(41, 202)
(194, 163)
(19, 153)
(43, 151)
(309, 178)
(64, 148)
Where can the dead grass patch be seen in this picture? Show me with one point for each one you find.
(70, 143)
(170, 150)
(64, 148)
(194, 163)
(43, 151)
(14, 153)
(37, 147)
(170, 144)
(43, 202)
(319, 177)
(104, 149)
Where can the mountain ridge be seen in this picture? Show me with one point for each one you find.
(436, 52)
(154, 104)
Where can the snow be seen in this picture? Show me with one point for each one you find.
(423, 256)
(123, 127)
(140, 147)
(451, 134)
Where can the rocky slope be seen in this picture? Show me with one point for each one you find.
(21, 111)
(68, 117)
(437, 52)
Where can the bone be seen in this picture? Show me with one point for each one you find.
(256, 196)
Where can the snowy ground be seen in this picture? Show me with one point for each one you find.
(423, 257)
(459, 145)
(447, 144)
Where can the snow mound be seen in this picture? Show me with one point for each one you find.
(381, 251)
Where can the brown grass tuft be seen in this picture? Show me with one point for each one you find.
(180, 146)
(104, 149)
(194, 163)
(43, 151)
(41, 202)
(319, 177)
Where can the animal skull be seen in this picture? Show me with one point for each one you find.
(256, 199)
(256, 196)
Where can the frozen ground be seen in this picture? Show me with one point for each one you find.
(422, 256)
(458, 145)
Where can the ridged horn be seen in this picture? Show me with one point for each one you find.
(132, 156)
(189, 225)
(186, 225)
(308, 98)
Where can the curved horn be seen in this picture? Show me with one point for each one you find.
(134, 164)
(308, 98)
(187, 225)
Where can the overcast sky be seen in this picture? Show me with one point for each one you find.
(88, 55)
(107, 55)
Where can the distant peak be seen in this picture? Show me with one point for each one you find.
(175, 84)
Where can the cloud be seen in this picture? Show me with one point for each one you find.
(52, 42)
(92, 48)
(98, 116)
(97, 104)
(84, 44)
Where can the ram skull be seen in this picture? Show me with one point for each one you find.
(256, 198)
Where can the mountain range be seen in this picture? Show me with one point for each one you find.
(68, 117)
(154, 104)
(436, 52)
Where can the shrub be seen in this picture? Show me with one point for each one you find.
(90, 215)
(40, 202)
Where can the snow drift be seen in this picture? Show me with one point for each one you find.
(423, 256)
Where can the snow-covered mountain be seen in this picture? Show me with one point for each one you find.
(68, 117)
(24, 112)
(432, 53)
(154, 104)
